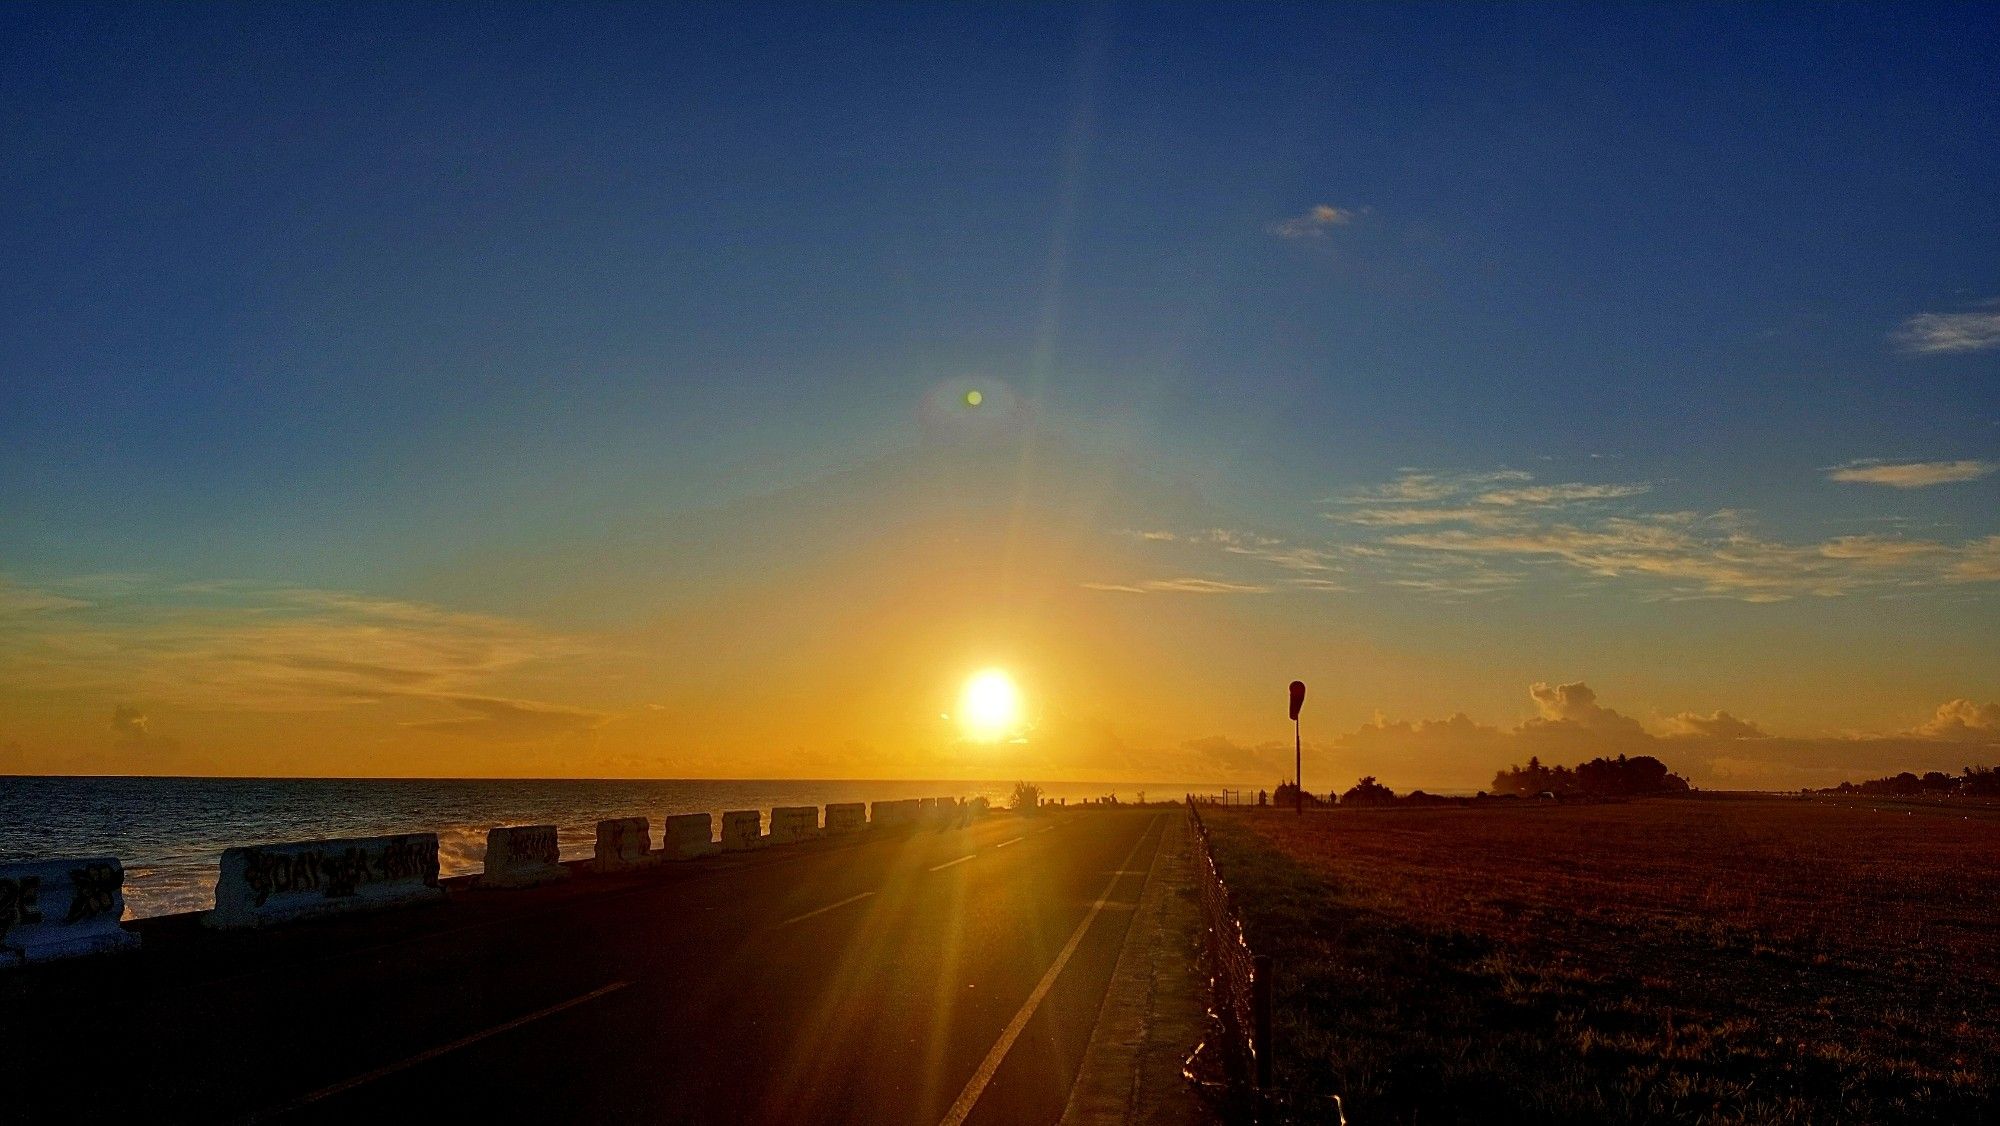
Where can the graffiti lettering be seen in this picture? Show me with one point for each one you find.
(345, 873)
(339, 874)
(537, 843)
(20, 902)
(93, 891)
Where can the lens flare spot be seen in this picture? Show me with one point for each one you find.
(974, 398)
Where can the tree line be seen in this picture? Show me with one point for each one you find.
(1599, 778)
(1972, 781)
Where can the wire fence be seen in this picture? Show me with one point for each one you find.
(1236, 1059)
(1239, 981)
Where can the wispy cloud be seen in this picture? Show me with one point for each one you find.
(1470, 535)
(1316, 221)
(254, 648)
(1181, 586)
(1912, 474)
(511, 721)
(1935, 333)
(1417, 498)
(17, 599)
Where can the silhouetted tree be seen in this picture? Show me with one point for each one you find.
(1283, 796)
(1027, 797)
(1600, 777)
(1368, 792)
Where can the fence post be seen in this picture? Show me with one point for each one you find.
(1260, 1015)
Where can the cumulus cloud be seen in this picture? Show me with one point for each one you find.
(133, 731)
(1912, 474)
(1944, 333)
(1571, 725)
(1716, 725)
(129, 722)
(1963, 721)
(1316, 221)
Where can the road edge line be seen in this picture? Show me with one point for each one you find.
(976, 1086)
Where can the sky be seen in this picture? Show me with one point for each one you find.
(524, 391)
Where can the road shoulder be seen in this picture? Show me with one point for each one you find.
(1153, 1010)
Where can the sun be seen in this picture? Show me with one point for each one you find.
(989, 707)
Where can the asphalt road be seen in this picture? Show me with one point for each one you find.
(922, 977)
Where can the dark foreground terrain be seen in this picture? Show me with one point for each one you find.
(884, 980)
(1667, 960)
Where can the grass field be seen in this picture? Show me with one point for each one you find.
(1686, 960)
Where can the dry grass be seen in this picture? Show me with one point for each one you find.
(1684, 960)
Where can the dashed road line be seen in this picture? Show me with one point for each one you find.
(345, 1085)
(825, 909)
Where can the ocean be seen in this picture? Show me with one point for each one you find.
(170, 832)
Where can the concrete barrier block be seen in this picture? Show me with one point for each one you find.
(927, 811)
(791, 823)
(53, 909)
(264, 884)
(687, 835)
(894, 814)
(742, 829)
(624, 843)
(519, 856)
(846, 817)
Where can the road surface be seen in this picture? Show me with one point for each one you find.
(916, 977)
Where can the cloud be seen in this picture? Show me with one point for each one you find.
(1944, 333)
(1416, 486)
(1419, 499)
(1963, 721)
(1912, 474)
(1181, 586)
(1466, 535)
(17, 599)
(1704, 555)
(129, 722)
(1316, 221)
(512, 721)
(1571, 725)
(251, 648)
(1716, 725)
(134, 731)
(1550, 496)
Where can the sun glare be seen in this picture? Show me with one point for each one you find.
(989, 708)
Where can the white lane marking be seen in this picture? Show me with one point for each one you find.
(949, 863)
(1008, 841)
(442, 1049)
(825, 909)
(976, 1086)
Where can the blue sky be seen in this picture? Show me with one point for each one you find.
(430, 304)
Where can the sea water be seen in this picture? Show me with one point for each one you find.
(170, 832)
